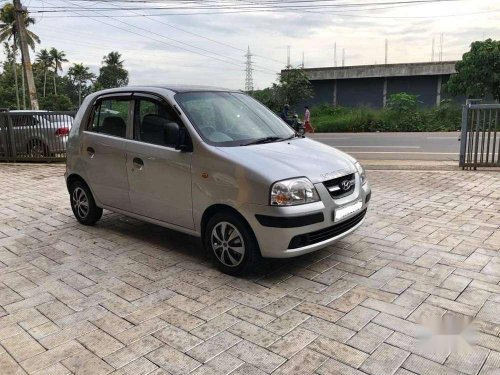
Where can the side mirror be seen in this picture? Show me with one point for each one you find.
(178, 136)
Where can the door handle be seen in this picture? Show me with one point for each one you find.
(90, 152)
(138, 163)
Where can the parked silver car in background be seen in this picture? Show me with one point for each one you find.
(215, 164)
(40, 133)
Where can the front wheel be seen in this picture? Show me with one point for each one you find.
(83, 204)
(231, 243)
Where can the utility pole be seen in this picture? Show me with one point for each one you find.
(386, 49)
(249, 72)
(25, 53)
(303, 65)
(432, 56)
(288, 65)
(343, 57)
(335, 54)
(441, 48)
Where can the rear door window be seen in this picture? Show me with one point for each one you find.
(111, 116)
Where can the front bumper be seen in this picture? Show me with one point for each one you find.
(284, 232)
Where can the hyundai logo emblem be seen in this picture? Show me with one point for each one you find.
(345, 185)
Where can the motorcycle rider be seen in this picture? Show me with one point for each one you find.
(285, 114)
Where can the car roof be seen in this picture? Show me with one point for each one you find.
(28, 111)
(174, 88)
(190, 88)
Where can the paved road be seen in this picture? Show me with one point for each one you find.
(395, 146)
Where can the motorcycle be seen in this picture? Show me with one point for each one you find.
(297, 125)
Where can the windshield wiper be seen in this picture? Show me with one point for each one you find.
(263, 140)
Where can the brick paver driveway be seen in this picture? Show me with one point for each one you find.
(135, 298)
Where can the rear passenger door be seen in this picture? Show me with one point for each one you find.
(104, 150)
(159, 175)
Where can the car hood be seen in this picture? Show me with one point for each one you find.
(295, 158)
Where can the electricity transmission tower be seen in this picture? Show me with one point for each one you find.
(249, 72)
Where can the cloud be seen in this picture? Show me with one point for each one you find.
(151, 56)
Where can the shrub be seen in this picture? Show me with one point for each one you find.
(401, 115)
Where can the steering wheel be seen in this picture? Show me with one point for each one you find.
(208, 130)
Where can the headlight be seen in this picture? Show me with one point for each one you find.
(293, 192)
(361, 172)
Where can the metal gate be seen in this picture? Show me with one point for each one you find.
(34, 135)
(480, 140)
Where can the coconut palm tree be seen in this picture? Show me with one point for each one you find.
(45, 60)
(58, 57)
(9, 31)
(113, 59)
(80, 74)
(11, 59)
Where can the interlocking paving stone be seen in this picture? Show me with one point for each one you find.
(385, 359)
(492, 364)
(369, 337)
(52, 356)
(338, 351)
(293, 342)
(140, 366)
(177, 338)
(132, 298)
(257, 356)
(213, 346)
(468, 359)
(172, 360)
(357, 318)
(328, 329)
(253, 333)
(338, 368)
(423, 366)
(304, 362)
(86, 363)
(133, 351)
(22, 346)
(100, 343)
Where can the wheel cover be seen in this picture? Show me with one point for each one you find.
(37, 150)
(227, 244)
(80, 202)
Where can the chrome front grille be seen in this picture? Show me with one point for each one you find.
(341, 186)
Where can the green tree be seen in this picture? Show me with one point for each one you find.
(58, 57)
(9, 32)
(294, 87)
(9, 96)
(291, 87)
(45, 60)
(80, 75)
(56, 103)
(112, 73)
(478, 73)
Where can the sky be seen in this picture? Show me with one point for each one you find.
(209, 49)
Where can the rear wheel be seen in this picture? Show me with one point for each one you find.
(83, 204)
(38, 149)
(231, 243)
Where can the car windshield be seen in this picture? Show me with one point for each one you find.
(232, 119)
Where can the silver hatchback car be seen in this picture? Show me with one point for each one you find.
(216, 164)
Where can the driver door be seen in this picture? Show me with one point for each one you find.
(159, 175)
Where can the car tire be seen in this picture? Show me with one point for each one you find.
(83, 204)
(231, 243)
(38, 149)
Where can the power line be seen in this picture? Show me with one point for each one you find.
(160, 41)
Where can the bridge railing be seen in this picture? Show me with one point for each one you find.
(480, 140)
